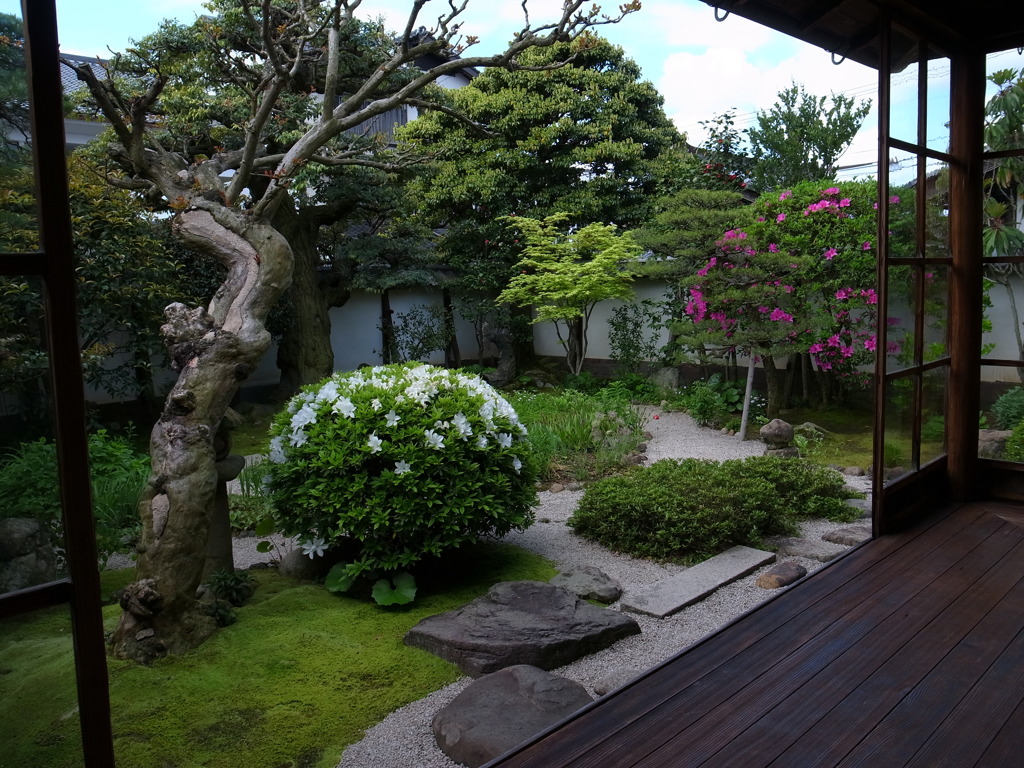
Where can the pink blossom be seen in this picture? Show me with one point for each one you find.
(892, 348)
(787, 288)
(831, 191)
(833, 341)
(844, 203)
(869, 295)
(870, 344)
(779, 316)
(781, 217)
(760, 218)
(773, 248)
(894, 199)
(786, 195)
(866, 246)
(847, 351)
(830, 254)
(844, 293)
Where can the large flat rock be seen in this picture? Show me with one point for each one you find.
(676, 592)
(520, 622)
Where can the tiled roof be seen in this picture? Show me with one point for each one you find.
(69, 80)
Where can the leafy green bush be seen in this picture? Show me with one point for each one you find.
(1008, 410)
(1014, 450)
(29, 487)
(692, 509)
(402, 461)
(705, 405)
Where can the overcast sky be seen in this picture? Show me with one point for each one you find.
(702, 67)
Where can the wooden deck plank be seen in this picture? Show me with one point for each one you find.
(863, 705)
(1008, 745)
(780, 705)
(910, 724)
(716, 676)
(983, 712)
(784, 680)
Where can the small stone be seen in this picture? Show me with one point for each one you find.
(854, 471)
(642, 448)
(864, 505)
(777, 433)
(850, 535)
(812, 550)
(574, 486)
(781, 575)
(724, 431)
(556, 488)
(613, 680)
(142, 634)
(543, 519)
(648, 435)
(590, 583)
(789, 452)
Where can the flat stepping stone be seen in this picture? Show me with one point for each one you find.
(821, 551)
(849, 535)
(671, 595)
(520, 622)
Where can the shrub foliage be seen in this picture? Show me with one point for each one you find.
(404, 461)
(691, 509)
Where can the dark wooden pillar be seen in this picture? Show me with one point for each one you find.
(965, 311)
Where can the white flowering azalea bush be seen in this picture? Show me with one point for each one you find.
(406, 461)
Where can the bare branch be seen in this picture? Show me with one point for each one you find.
(476, 127)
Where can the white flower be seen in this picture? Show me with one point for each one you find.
(298, 437)
(433, 440)
(522, 429)
(327, 393)
(517, 464)
(313, 547)
(504, 439)
(345, 407)
(462, 425)
(401, 467)
(392, 418)
(481, 442)
(375, 404)
(277, 450)
(375, 443)
(306, 415)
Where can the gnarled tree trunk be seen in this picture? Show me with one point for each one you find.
(213, 350)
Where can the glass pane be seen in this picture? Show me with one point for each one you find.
(902, 169)
(39, 708)
(938, 102)
(899, 420)
(1002, 409)
(1003, 115)
(1004, 294)
(933, 414)
(936, 212)
(18, 221)
(900, 319)
(903, 82)
(30, 526)
(903, 242)
(936, 316)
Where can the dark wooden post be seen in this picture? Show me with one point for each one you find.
(965, 312)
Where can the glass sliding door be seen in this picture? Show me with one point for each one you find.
(915, 263)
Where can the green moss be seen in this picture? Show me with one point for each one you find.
(301, 675)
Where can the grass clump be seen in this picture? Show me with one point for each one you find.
(689, 510)
(577, 435)
(300, 676)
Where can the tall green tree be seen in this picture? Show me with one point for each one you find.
(225, 166)
(802, 137)
(584, 139)
(564, 273)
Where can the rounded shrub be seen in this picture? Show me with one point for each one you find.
(1014, 450)
(1008, 409)
(692, 509)
(402, 462)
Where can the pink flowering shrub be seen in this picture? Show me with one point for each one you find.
(799, 278)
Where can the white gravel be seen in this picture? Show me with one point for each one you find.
(404, 738)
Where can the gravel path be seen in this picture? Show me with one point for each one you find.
(404, 738)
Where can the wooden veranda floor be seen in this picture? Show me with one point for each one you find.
(909, 651)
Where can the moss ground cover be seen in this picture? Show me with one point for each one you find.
(300, 675)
